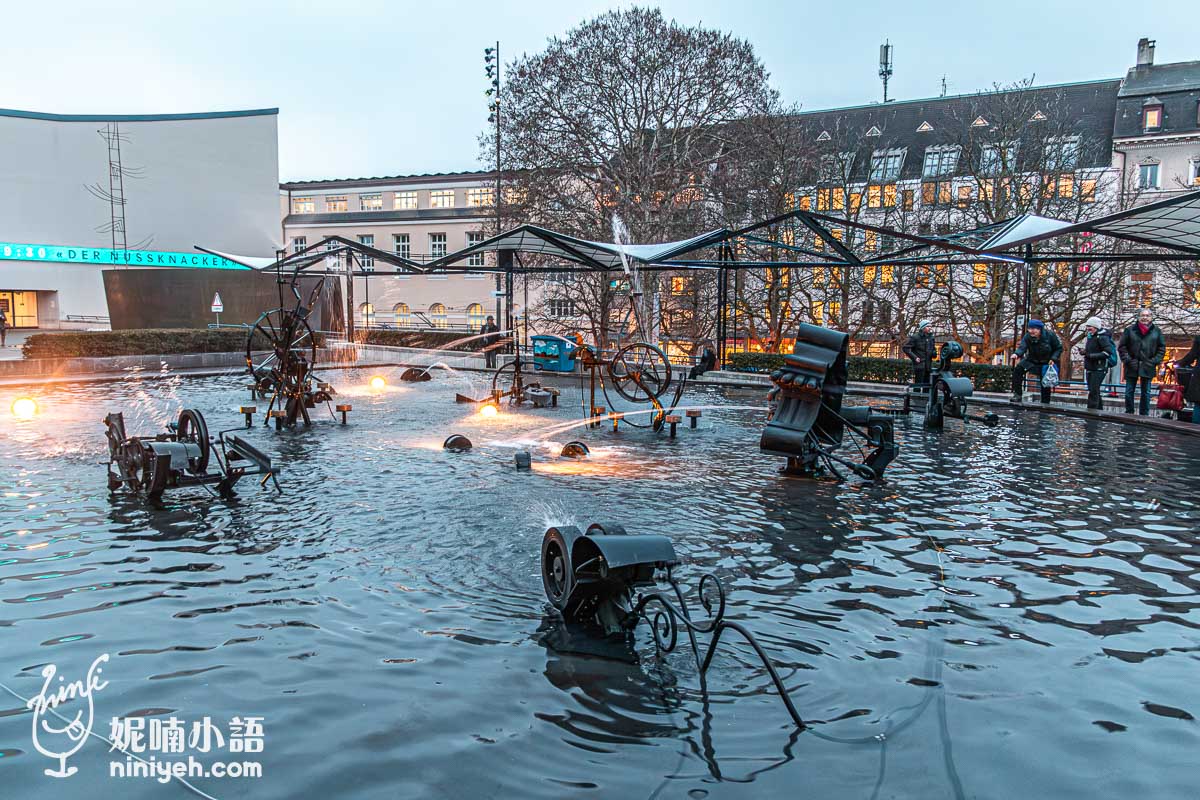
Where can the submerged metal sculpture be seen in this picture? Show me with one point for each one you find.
(594, 578)
(180, 458)
(808, 422)
(947, 393)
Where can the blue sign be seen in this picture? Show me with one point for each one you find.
(68, 254)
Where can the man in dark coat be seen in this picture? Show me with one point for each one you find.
(1039, 348)
(1141, 349)
(1099, 353)
(490, 342)
(921, 350)
(1191, 392)
(708, 360)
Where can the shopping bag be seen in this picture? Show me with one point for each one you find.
(1170, 395)
(1050, 376)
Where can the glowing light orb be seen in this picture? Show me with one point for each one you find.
(378, 382)
(24, 408)
(488, 410)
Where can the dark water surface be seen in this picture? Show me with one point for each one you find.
(1012, 613)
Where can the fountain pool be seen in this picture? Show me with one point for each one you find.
(1010, 612)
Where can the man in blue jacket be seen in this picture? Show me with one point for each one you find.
(1039, 348)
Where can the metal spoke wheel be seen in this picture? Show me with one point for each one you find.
(192, 429)
(277, 341)
(640, 372)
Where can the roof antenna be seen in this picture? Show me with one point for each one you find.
(885, 66)
(943, 86)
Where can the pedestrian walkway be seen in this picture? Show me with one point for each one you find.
(13, 340)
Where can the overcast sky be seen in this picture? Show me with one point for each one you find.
(385, 88)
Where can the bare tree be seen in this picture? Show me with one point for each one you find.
(624, 116)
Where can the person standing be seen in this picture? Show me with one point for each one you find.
(1099, 354)
(3, 327)
(921, 349)
(1191, 392)
(1142, 349)
(1039, 348)
(490, 342)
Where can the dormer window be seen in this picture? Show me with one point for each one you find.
(1152, 114)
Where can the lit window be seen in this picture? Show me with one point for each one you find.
(923, 276)
(943, 196)
(304, 205)
(366, 312)
(1141, 290)
(438, 316)
(1151, 118)
(336, 203)
(437, 245)
(964, 196)
(886, 164)
(299, 243)
(1066, 185)
(941, 275)
(889, 196)
(823, 199)
(870, 241)
(370, 202)
(475, 316)
(979, 276)
(839, 199)
(818, 276)
(405, 201)
(1147, 176)
(806, 203)
(679, 284)
(475, 259)
(480, 196)
(835, 312)
(400, 245)
(940, 160)
(441, 198)
(818, 313)
(1087, 191)
(367, 239)
(869, 273)
(1191, 290)
(887, 274)
(402, 315)
(855, 201)
(987, 187)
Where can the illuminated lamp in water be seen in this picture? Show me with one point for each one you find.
(378, 382)
(24, 408)
(488, 410)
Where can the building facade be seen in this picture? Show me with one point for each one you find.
(419, 217)
(86, 193)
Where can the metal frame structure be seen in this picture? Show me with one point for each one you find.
(1171, 227)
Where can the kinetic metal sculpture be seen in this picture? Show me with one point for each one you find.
(808, 422)
(284, 373)
(180, 458)
(594, 578)
(947, 394)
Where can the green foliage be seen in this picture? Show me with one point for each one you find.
(986, 377)
(148, 341)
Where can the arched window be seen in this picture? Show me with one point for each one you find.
(402, 315)
(367, 312)
(437, 314)
(475, 316)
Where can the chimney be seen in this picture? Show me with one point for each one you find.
(1145, 53)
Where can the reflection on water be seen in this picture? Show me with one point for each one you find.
(1012, 612)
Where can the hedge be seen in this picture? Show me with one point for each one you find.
(147, 341)
(987, 377)
(429, 340)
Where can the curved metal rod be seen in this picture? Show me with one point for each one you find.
(665, 629)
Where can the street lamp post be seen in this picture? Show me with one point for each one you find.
(491, 62)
